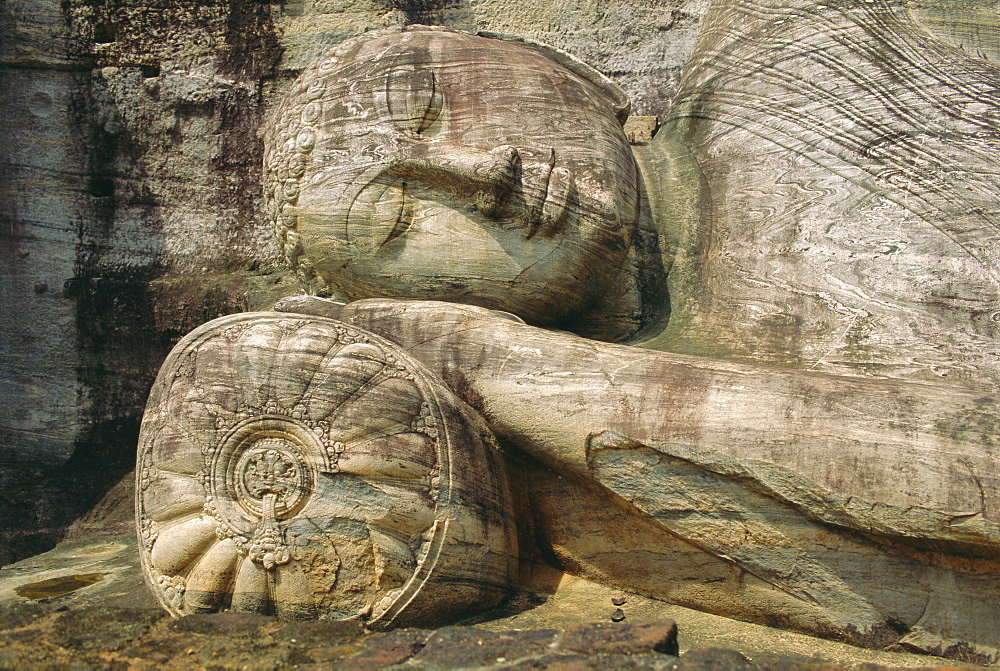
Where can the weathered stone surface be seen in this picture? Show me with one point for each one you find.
(130, 201)
(231, 639)
(850, 229)
(465, 647)
(20, 614)
(394, 647)
(710, 659)
(130, 163)
(847, 215)
(618, 639)
(42, 180)
(971, 27)
(659, 34)
(745, 464)
(305, 468)
(98, 628)
(141, 639)
(813, 484)
(233, 625)
(641, 128)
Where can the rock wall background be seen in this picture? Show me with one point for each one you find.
(130, 205)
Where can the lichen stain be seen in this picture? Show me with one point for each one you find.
(979, 421)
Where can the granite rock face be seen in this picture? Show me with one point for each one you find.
(131, 201)
(847, 219)
(838, 506)
(144, 638)
(130, 191)
(822, 197)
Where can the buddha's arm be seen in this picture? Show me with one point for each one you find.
(893, 458)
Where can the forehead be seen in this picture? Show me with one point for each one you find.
(475, 77)
(449, 53)
(353, 113)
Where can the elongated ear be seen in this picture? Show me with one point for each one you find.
(617, 98)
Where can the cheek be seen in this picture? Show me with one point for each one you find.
(607, 222)
(324, 240)
(440, 249)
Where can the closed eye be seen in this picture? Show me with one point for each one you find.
(404, 214)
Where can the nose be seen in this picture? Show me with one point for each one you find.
(480, 177)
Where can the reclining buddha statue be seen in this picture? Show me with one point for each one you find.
(758, 352)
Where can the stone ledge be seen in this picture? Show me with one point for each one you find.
(35, 635)
(112, 623)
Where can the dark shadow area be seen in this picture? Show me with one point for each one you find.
(424, 12)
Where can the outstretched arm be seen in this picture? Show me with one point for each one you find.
(923, 457)
(842, 494)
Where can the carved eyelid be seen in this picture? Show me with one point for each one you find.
(413, 97)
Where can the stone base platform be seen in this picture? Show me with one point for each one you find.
(83, 605)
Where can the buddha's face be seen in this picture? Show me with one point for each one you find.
(454, 167)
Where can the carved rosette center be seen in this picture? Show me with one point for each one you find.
(270, 478)
(263, 471)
